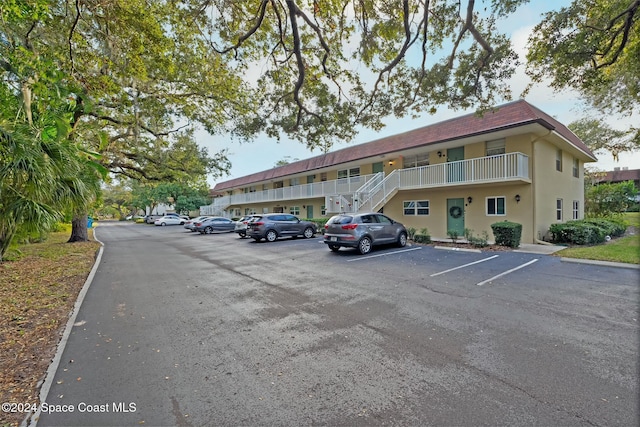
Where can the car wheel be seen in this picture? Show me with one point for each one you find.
(334, 248)
(163, 224)
(308, 233)
(402, 240)
(271, 236)
(364, 246)
(242, 235)
(208, 230)
(182, 223)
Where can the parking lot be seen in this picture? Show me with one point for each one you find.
(213, 329)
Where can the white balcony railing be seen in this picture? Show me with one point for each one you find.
(304, 191)
(372, 191)
(499, 168)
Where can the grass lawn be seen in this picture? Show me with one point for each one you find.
(38, 289)
(623, 249)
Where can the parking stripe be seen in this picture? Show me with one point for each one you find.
(384, 254)
(506, 272)
(463, 266)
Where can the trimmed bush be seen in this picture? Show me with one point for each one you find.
(590, 231)
(422, 238)
(507, 233)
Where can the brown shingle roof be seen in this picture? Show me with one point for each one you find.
(513, 114)
(621, 175)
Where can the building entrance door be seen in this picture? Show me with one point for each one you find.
(455, 216)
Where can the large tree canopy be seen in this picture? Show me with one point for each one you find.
(323, 68)
(592, 46)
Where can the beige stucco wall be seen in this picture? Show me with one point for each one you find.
(550, 185)
(475, 216)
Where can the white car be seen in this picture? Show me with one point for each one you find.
(191, 224)
(169, 220)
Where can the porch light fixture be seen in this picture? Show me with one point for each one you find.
(390, 162)
(439, 153)
(469, 199)
(517, 198)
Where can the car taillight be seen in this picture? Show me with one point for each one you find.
(326, 226)
(198, 224)
(350, 226)
(258, 223)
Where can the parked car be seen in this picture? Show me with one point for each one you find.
(151, 219)
(363, 231)
(243, 224)
(191, 224)
(215, 223)
(272, 226)
(169, 220)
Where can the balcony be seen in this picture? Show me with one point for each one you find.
(296, 192)
(370, 192)
(499, 168)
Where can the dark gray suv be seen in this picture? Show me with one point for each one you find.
(272, 226)
(363, 231)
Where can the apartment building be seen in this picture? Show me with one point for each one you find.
(514, 163)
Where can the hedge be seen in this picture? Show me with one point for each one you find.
(507, 233)
(590, 231)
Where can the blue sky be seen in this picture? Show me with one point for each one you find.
(264, 152)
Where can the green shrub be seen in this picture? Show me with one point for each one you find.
(411, 232)
(591, 231)
(507, 233)
(422, 238)
(453, 235)
(319, 222)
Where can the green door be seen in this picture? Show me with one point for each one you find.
(455, 215)
(309, 211)
(455, 168)
(377, 167)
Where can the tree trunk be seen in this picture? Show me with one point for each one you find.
(79, 232)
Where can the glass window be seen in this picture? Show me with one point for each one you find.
(323, 210)
(294, 181)
(559, 209)
(415, 161)
(559, 160)
(294, 210)
(383, 219)
(576, 209)
(278, 184)
(323, 176)
(576, 164)
(495, 147)
(348, 173)
(416, 207)
(495, 205)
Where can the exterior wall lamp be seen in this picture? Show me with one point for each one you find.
(390, 162)
(439, 153)
(469, 199)
(517, 198)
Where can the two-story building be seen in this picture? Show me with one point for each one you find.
(514, 163)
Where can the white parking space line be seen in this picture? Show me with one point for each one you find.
(506, 272)
(463, 266)
(384, 254)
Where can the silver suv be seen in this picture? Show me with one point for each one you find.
(363, 231)
(272, 226)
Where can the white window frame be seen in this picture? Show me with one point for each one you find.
(495, 147)
(559, 214)
(576, 168)
(416, 208)
(559, 160)
(576, 209)
(415, 161)
(349, 173)
(494, 201)
(294, 210)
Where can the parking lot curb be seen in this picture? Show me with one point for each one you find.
(32, 418)
(447, 248)
(603, 263)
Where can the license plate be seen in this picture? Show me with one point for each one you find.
(333, 239)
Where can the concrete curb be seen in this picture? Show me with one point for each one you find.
(32, 419)
(602, 263)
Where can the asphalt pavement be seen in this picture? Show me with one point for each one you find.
(177, 328)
